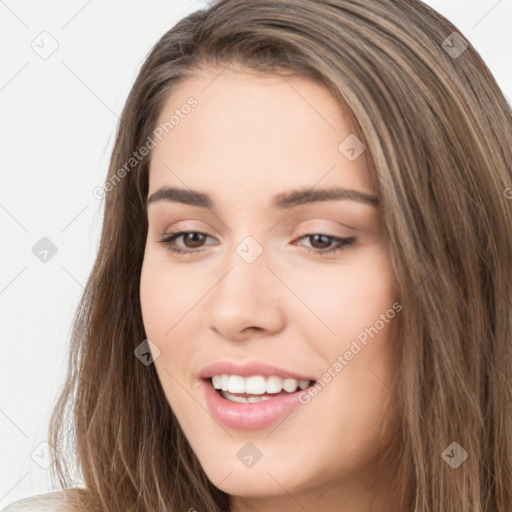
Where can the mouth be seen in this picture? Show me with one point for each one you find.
(257, 388)
(264, 402)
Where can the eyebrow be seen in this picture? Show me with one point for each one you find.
(282, 201)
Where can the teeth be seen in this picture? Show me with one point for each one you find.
(236, 384)
(257, 384)
(290, 385)
(254, 385)
(303, 384)
(217, 381)
(244, 400)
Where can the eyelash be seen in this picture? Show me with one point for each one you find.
(343, 243)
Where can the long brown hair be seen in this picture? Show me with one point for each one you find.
(438, 134)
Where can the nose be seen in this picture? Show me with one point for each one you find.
(247, 299)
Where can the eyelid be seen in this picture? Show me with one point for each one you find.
(326, 227)
(186, 228)
(321, 231)
(306, 229)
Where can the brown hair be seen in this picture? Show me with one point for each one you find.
(438, 134)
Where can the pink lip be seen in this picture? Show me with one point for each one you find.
(249, 416)
(250, 368)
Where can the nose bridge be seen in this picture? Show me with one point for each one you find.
(246, 282)
(245, 296)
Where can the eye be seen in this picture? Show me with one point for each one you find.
(194, 237)
(193, 241)
(322, 240)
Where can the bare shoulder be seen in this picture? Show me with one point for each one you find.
(49, 502)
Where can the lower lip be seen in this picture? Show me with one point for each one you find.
(249, 416)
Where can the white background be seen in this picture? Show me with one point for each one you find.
(58, 121)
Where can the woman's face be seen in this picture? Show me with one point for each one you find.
(261, 285)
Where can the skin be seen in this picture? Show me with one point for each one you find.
(251, 137)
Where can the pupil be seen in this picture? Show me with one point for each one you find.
(326, 240)
(191, 236)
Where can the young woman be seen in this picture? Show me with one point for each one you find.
(302, 296)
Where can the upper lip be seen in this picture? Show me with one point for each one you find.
(249, 368)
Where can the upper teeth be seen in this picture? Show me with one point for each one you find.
(256, 385)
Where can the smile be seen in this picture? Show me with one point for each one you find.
(254, 402)
(257, 384)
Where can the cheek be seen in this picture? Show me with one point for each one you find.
(361, 351)
(153, 299)
(166, 303)
(166, 295)
(370, 295)
(171, 306)
(349, 297)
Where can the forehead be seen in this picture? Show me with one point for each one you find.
(257, 133)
